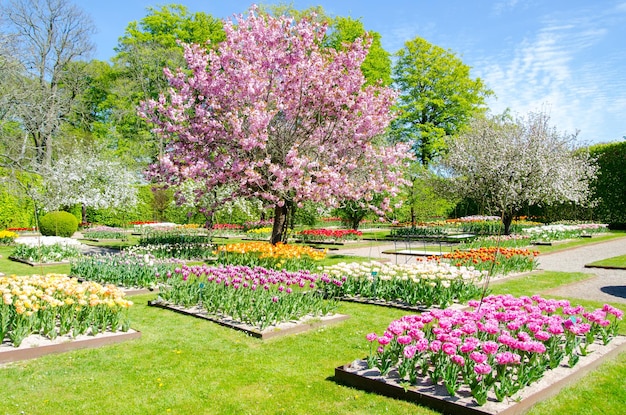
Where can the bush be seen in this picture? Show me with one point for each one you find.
(58, 223)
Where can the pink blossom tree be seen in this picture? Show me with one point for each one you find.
(278, 115)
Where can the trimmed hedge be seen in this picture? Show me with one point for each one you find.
(609, 187)
(58, 223)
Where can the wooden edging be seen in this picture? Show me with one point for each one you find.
(357, 375)
(37, 264)
(270, 332)
(84, 342)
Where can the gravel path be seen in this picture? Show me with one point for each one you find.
(606, 286)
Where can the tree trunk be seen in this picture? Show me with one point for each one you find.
(281, 220)
(83, 210)
(507, 218)
(356, 221)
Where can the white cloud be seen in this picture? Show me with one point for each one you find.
(553, 71)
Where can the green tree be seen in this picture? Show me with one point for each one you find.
(438, 97)
(145, 49)
(377, 64)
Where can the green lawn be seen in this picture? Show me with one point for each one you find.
(183, 365)
(615, 262)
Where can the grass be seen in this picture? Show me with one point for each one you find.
(9, 267)
(615, 262)
(538, 281)
(183, 365)
(544, 249)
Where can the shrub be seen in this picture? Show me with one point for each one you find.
(58, 223)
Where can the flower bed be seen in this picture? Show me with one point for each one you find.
(55, 304)
(419, 284)
(329, 235)
(160, 236)
(495, 350)
(550, 233)
(264, 254)
(104, 232)
(126, 269)
(226, 229)
(187, 251)
(45, 254)
(259, 233)
(7, 237)
(503, 241)
(256, 296)
(497, 261)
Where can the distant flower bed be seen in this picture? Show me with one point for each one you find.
(260, 233)
(7, 237)
(422, 230)
(313, 235)
(22, 229)
(159, 236)
(498, 348)
(104, 232)
(187, 250)
(55, 304)
(126, 269)
(42, 254)
(475, 218)
(256, 296)
(497, 261)
(142, 222)
(547, 233)
(264, 254)
(423, 283)
(503, 241)
(257, 224)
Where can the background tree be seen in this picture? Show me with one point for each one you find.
(143, 51)
(86, 179)
(278, 115)
(46, 37)
(438, 97)
(506, 165)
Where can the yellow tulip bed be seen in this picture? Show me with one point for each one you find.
(264, 254)
(54, 305)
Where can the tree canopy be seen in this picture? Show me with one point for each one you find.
(282, 117)
(438, 97)
(507, 164)
(43, 39)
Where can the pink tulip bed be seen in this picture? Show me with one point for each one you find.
(495, 349)
(256, 296)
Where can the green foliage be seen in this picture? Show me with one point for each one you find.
(425, 198)
(437, 97)
(15, 212)
(307, 215)
(147, 46)
(58, 223)
(608, 188)
(377, 64)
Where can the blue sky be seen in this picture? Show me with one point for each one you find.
(564, 57)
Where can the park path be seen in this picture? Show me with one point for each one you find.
(607, 285)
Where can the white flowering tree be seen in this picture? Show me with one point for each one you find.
(507, 164)
(89, 180)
